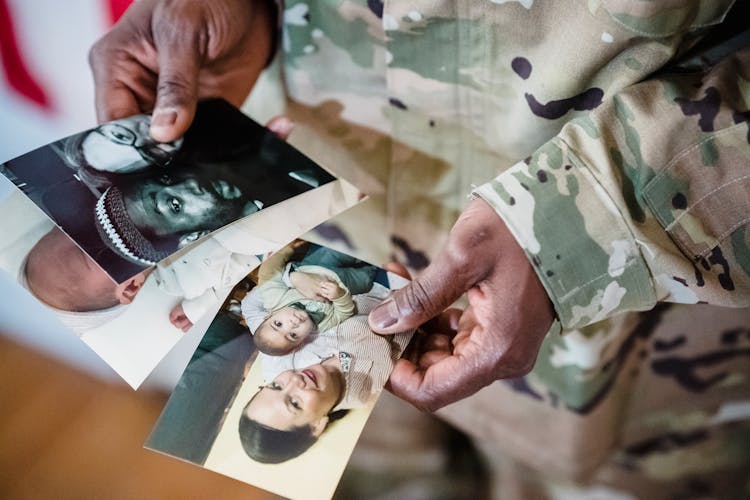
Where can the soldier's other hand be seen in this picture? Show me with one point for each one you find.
(164, 56)
(497, 336)
(282, 127)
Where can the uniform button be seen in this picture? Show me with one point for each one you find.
(207, 262)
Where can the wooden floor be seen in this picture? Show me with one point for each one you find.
(67, 435)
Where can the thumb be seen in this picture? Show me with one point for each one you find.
(468, 257)
(176, 90)
(441, 284)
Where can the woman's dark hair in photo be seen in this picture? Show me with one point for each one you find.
(272, 446)
(267, 445)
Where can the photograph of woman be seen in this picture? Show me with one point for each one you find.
(308, 402)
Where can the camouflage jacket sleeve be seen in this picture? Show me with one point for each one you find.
(645, 199)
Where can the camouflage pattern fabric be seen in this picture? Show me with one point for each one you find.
(655, 184)
(627, 185)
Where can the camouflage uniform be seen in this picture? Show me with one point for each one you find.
(634, 195)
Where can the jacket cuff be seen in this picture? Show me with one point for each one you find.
(574, 235)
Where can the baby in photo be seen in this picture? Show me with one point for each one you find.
(297, 299)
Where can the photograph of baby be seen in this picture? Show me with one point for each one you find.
(286, 374)
(130, 202)
(134, 324)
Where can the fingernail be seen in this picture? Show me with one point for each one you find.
(163, 118)
(281, 126)
(385, 315)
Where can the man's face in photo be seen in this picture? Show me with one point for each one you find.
(182, 202)
(125, 146)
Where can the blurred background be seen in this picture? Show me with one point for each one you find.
(69, 428)
(46, 89)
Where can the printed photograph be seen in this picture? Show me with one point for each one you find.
(286, 375)
(130, 202)
(134, 324)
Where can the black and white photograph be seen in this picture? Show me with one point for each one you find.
(130, 202)
(286, 374)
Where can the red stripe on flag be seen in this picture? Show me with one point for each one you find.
(117, 8)
(17, 74)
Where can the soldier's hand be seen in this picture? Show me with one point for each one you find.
(162, 56)
(497, 336)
